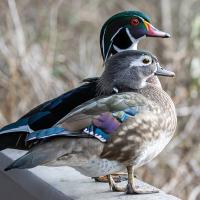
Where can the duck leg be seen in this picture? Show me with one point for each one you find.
(131, 188)
(114, 186)
(119, 177)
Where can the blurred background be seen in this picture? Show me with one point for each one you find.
(47, 47)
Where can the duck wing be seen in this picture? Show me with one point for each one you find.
(82, 116)
(85, 113)
(45, 115)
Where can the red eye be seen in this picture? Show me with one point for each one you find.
(134, 22)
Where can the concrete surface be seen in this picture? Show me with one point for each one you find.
(58, 183)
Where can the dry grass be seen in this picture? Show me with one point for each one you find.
(47, 47)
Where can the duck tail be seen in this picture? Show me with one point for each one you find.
(23, 162)
(40, 154)
(31, 159)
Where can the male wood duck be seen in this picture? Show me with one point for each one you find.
(121, 32)
(149, 125)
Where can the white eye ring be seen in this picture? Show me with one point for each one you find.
(142, 61)
(146, 60)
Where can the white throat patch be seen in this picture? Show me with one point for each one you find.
(133, 40)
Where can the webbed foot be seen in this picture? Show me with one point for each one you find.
(131, 189)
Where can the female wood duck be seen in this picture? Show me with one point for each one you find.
(149, 125)
(122, 31)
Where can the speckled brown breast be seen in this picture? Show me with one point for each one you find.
(155, 126)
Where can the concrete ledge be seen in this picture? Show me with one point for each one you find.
(58, 183)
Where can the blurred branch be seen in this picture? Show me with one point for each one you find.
(195, 167)
(187, 110)
(195, 193)
(166, 15)
(4, 78)
(53, 32)
(20, 37)
(193, 120)
(184, 17)
(2, 119)
(4, 48)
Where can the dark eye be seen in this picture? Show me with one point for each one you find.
(146, 61)
(134, 22)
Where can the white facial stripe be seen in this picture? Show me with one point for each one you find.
(103, 41)
(139, 62)
(130, 36)
(108, 51)
(116, 33)
(111, 41)
(132, 47)
(133, 40)
(140, 18)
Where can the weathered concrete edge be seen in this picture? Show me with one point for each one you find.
(29, 182)
(56, 184)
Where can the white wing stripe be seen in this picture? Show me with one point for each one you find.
(25, 128)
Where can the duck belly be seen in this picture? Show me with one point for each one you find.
(92, 167)
(84, 156)
(149, 150)
(100, 167)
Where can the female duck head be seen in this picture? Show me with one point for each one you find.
(130, 70)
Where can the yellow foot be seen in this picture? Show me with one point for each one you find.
(133, 190)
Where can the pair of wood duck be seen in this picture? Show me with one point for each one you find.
(126, 103)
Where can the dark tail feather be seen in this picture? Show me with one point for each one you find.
(13, 140)
(29, 160)
(8, 168)
(38, 155)
(21, 163)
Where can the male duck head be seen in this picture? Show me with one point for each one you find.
(124, 30)
(130, 70)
